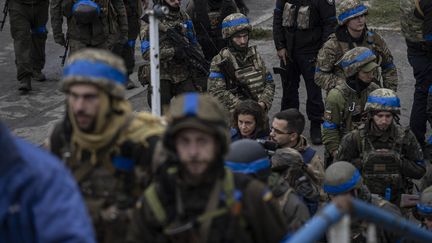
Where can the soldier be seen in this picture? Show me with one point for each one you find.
(28, 20)
(249, 121)
(178, 75)
(238, 72)
(193, 198)
(345, 103)
(299, 30)
(98, 24)
(423, 211)
(102, 141)
(289, 164)
(286, 130)
(350, 33)
(387, 154)
(249, 157)
(416, 23)
(343, 178)
(207, 16)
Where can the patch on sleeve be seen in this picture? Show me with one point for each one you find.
(327, 115)
(267, 196)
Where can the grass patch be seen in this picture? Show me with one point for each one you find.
(384, 13)
(260, 33)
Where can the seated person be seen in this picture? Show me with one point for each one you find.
(249, 121)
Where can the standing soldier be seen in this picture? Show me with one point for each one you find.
(345, 103)
(238, 72)
(387, 154)
(178, 73)
(299, 30)
(99, 24)
(350, 33)
(102, 141)
(416, 23)
(207, 16)
(193, 198)
(28, 20)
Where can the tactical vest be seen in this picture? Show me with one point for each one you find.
(251, 74)
(297, 15)
(381, 169)
(411, 25)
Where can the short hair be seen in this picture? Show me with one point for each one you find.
(295, 119)
(250, 107)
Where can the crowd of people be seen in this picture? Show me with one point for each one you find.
(216, 167)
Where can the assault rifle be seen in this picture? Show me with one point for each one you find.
(5, 12)
(65, 54)
(232, 83)
(194, 57)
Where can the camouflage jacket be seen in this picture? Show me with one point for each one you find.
(416, 22)
(170, 68)
(342, 104)
(111, 22)
(252, 76)
(411, 154)
(328, 75)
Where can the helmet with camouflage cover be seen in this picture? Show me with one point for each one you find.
(356, 59)
(424, 207)
(234, 23)
(349, 9)
(198, 111)
(98, 67)
(383, 100)
(285, 158)
(341, 177)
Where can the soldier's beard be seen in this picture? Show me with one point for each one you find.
(239, 48)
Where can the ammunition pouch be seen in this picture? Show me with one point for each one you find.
(249, 75)
(297, 17)
(86, 11)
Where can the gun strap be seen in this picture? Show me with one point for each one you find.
(417, 4)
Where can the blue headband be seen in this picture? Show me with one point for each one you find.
(248, 168)
(385, 101)
(91, 69)
(190, 106)
(88, 3)
(345, 186)
(358, 58)
(345, 15)
(235, 22)
(425, 209)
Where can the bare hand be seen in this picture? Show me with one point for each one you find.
(283, 55)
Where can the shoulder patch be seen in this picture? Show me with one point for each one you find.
(267, 195)
(327, 115)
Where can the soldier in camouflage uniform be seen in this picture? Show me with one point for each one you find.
(387, 154)
(98, 24)
(416, 23)
(343, 178)
(207, 16)
(345, 103)
(28, 20)
(350, 33)
(104, 144)
(238, 72)
(423, 210)
(176, 76)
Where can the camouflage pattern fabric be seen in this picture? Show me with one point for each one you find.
(353, 60)
(349, 9)
(234, 23)
(383, 100)
(411, 25)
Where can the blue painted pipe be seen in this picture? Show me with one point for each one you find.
(390, 221)
(315, 228)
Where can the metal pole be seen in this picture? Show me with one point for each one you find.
(341, 232)
(154, 15)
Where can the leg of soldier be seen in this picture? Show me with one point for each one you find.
(166, 93)
(21, 33)
(129, 50)
(184, 87)
(39, 36)
(290, 96)
(75, 45)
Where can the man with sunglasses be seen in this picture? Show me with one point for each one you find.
(387, 154)
(352, 32)
(104, 143)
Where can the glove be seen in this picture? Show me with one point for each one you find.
(60, 39)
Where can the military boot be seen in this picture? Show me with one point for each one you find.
(315, 133)
(38, 76)
(25, 84)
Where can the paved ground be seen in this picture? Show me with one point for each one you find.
(31, 116)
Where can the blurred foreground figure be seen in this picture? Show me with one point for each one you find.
(39, 200)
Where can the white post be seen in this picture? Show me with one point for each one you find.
(340, 232)
(154, 15)
(371, 233)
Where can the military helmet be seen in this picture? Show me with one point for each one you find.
(383, 100)
(247, 156)
(285, 158)
(355, 60)
(349, 9)
(99, 67)
(341, 177)
(424, 207)
(234, 23)
(197, 111)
